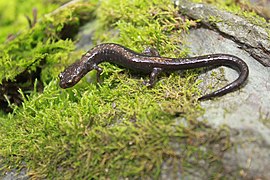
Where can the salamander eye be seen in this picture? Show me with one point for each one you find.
(60, 75)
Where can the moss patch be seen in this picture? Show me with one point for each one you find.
(38, 53)
(241, 8)
(117, 129)
(139, 24)
(13, 12)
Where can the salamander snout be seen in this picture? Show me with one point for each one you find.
(64, 82)
(72, 75)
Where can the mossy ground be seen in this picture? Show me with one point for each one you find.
(242, 8)
(119, 128)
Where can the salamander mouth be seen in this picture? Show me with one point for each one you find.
(63, 84)
(68, 83)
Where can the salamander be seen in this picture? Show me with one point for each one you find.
(151, 63)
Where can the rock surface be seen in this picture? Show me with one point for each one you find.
(252, 35)
(245, 111)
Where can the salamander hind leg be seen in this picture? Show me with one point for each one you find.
(150, 51)
(153, 77)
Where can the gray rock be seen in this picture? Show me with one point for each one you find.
(252, 35)
(245, 111)
(15, 174)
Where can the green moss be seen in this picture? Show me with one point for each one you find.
(139, 24)
(242, 8)
(119, 128)
(40, 52)
(12, 14)
(26, 50)
(42, 44)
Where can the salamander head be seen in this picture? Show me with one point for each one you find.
(72, 74)
(76, 71)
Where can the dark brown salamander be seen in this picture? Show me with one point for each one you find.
(151, 63)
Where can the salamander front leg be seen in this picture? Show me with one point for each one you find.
(99, 71)
(153, 77)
